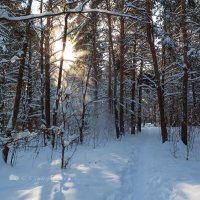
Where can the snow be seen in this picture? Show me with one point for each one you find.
(9, 125)
(3, 61)
(137, 167)
(191, 51)
(80, 6)
(78, 9)
(131, 5)
(14, 59)
(68, 91)
(167, 41)
(5, 15)
(196, 30)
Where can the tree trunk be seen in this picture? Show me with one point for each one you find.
(5, 153)
(133, 89)
(21, 69)
(184, 124)
(115, 64)
(2, 100)
(63, 152)
(121, 100)
(30, 88)
(42, 66)
(110, 81)
(150, 38)
(94, 59)
(84, 93)
(139, 121)
(163, 70)
(47, 69)
(55, 112)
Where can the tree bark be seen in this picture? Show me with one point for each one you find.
(186, 67)
(139, 121)
(150, 38)
(115, 66)
(94, 59)
(110, 81)
(47, 69)
(84, 93)
(30, 88)
(21, 69)
(42, 65)
(121, 99)
(5, 152)
(133, 117)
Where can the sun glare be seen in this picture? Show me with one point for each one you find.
(69, 52)
(69, 55)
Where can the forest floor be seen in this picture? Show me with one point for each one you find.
(137, 167)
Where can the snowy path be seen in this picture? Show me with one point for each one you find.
(138, 167)
(154, 174)
(141, 176)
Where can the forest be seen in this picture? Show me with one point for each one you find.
(100, 99)
(65, 63)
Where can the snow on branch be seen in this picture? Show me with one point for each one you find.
(130, 5)
(79, 9)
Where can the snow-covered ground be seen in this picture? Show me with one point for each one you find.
(138, 167)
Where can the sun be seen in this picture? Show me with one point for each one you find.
(69, 55)
(69, 52)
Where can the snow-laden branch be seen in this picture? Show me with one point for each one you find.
(130, 5)
(5, 15)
